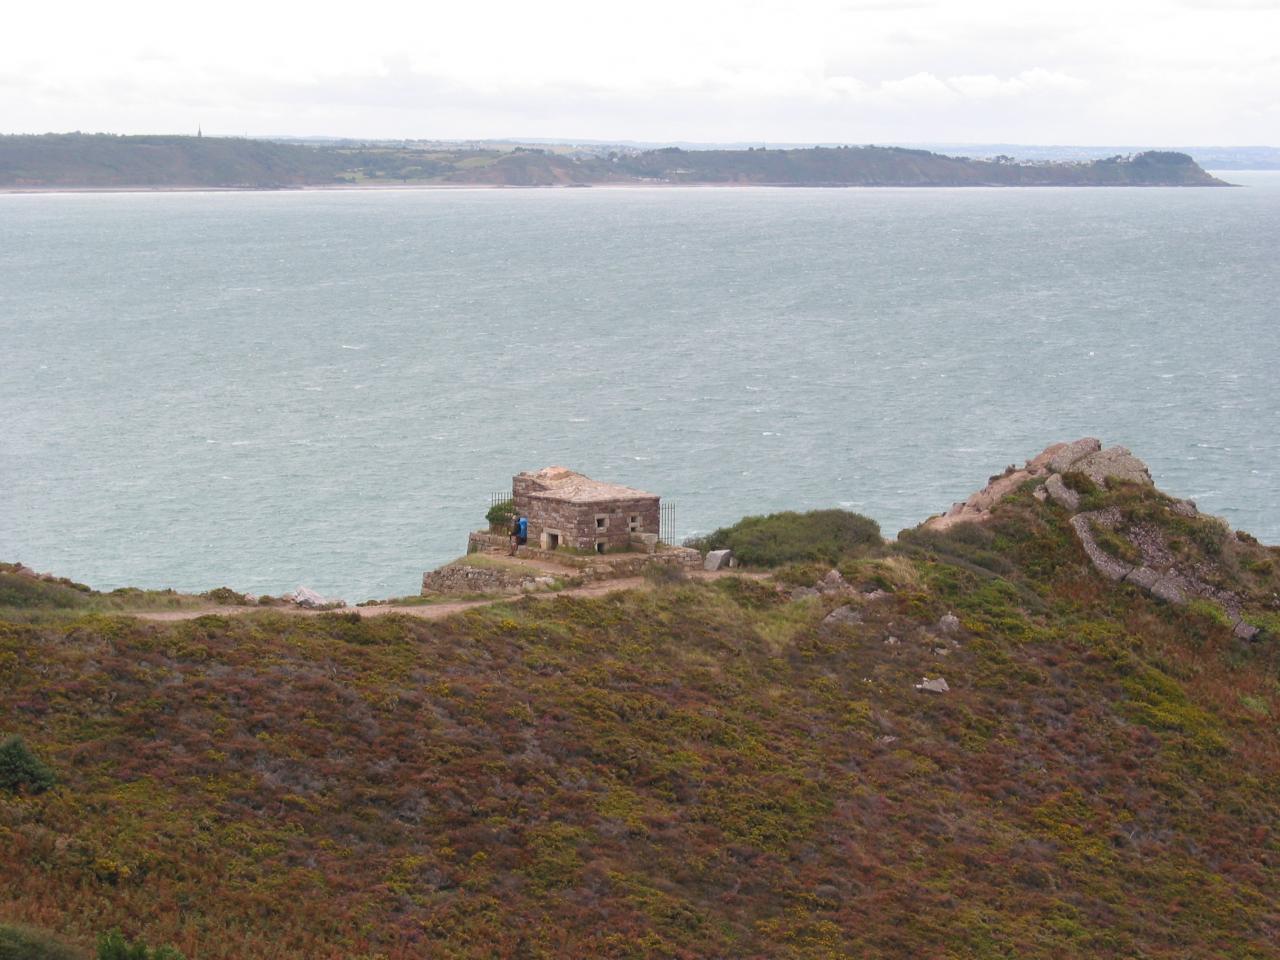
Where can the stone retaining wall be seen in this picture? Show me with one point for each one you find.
(606, 566)
(459, 579)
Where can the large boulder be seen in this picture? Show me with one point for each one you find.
(1060, 493)
(717, 560)
(935, 685)
(1058, 457)
(310, 600)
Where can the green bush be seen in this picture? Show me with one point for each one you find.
(501, 514)
(26, 592)
(20, 768)
(114, 946)
(828, 536)
(225, 596)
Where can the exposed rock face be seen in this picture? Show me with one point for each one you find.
(1156, 570)
(1084, 455)
(1103, 562)
(936, 685)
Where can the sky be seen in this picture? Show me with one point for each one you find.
(1172, 72)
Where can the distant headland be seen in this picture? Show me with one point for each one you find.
(78, 161)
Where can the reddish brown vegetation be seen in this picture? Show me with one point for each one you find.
(696, 771)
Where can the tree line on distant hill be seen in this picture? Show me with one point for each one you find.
(103, 161)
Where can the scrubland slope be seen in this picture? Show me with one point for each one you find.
(696, 770)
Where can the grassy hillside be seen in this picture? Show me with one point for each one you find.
(697, 770)
(77, 160)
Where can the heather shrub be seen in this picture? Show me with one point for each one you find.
(828, 536)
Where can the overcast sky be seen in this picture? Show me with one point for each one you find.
(1123, 71)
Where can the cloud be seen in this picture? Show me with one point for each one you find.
(1037, 80)
(1268, 5)
(850, 70)
(926, 88)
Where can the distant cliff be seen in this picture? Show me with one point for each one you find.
(102, 161)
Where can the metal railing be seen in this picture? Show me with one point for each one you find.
(499, 498)
(667, 523)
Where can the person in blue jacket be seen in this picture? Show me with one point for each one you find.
(519, 533)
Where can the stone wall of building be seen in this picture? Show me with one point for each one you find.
(583, 525)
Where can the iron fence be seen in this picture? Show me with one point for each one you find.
(500, 499)
(667, 523)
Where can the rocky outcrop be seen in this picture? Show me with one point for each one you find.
(1086, 455)
(1140, 553)
(1112, 464)
(1151, 564)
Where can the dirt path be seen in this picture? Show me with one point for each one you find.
(434, 611)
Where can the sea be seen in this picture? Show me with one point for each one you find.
(324, 388)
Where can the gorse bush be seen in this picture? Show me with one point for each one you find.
(828, 536)
(21, 769)
(114, 946)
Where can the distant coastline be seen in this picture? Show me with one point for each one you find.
(103, 163)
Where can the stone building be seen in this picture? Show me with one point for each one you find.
(565, 508)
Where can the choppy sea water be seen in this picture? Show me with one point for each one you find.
(322, 388)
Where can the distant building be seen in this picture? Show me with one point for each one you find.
(565, 508)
